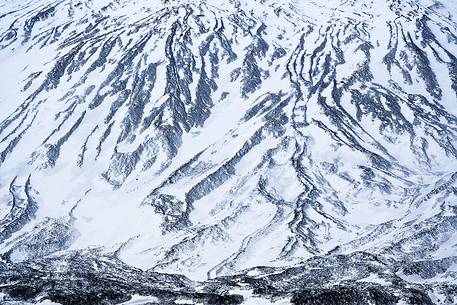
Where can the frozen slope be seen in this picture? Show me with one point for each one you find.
(203, 138)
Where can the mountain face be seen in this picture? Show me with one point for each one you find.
(228, 152)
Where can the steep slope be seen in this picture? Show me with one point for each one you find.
(207, 137)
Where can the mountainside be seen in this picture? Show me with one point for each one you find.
(228, 152)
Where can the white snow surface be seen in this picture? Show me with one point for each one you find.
(300, 191)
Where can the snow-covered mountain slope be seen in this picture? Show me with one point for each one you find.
(207, 137)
